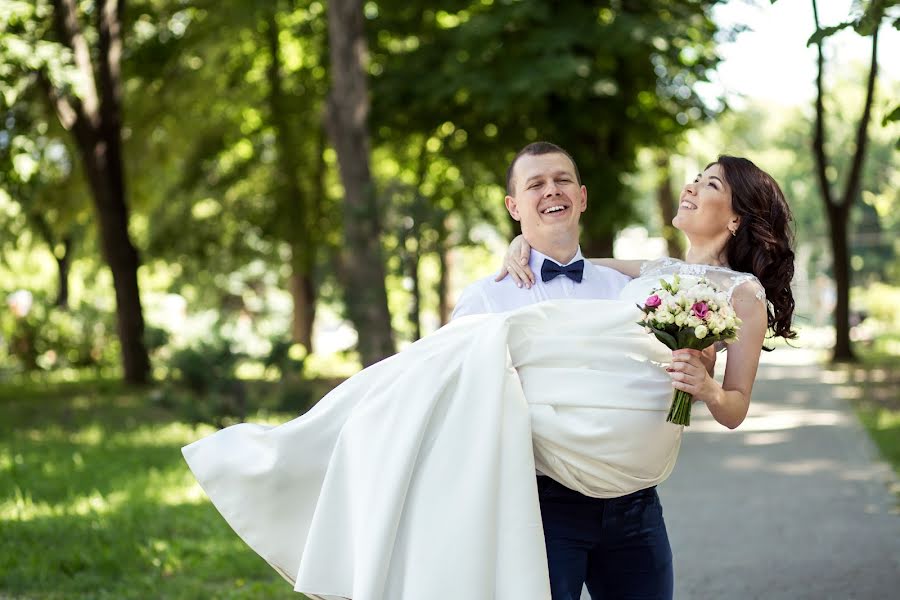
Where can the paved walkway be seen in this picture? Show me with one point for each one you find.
(794, 504)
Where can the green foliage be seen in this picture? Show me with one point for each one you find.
(204, 386)
(287, 357)
(49, 338)
(483, 79)
(231, 186)
(879, 301)
(225, 195)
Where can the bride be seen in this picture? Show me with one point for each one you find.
(415, 478)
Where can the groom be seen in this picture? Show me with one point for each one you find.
(618, 547)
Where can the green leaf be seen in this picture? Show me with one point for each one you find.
(666, 338)
(894, 115)
(825, 32)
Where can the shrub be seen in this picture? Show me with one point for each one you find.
(204, 386)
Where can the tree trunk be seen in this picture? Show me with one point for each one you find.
(304, 295)
(666, 201)
(598, 247)
(838, 209)
(362, 267)
(42, 226)
(299, 231)
(443, 283)
(63, 264)
(840, 251)
(412, 269)
(95, 121)
(121, 256)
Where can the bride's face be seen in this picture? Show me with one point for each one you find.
(704, 208)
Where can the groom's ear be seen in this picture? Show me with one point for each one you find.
(583, 203)
(512, 207)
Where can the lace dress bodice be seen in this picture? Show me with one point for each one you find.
(723, 278)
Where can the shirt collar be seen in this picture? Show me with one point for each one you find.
(537, 259)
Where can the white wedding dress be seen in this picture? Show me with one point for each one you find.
(415, 478)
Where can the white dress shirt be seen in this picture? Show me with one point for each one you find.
(489, 296)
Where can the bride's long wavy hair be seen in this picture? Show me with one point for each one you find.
(764, 239)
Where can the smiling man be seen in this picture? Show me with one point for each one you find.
(545, 195)
(618, 547)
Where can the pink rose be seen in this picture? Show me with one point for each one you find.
(700, 310)
(653, 301)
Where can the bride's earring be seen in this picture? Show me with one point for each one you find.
(734, 230)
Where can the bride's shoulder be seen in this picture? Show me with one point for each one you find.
(739, 286)
(745, 287)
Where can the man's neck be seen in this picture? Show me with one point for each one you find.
(561, 253)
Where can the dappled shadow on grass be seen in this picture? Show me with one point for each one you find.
(50, 467)
(140, 550)
(873, 388)
(97, 502)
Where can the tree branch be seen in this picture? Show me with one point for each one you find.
(862, 137)
(66, 19)
(109, 26)
(69, 114)
(819, 135)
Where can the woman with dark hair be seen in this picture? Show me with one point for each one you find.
(737, 222)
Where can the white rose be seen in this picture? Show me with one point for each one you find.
(701, 290)
(689, 281)
(700, 331)
(680, 318)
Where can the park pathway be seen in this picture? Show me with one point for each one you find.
(794, 504)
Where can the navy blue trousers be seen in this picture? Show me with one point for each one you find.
(617, 546)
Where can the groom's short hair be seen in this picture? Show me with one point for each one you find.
(536, 149)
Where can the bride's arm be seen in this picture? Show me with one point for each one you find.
(728, 403)
(515, 264)
(632, 268)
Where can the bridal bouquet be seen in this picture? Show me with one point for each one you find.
(688, 312)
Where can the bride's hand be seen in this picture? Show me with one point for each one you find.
(690, 371)
(708, 359)
(515, 263)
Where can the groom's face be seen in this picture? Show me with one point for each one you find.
(547, 199)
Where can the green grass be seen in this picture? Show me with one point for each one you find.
(878, 377)
(97, 502)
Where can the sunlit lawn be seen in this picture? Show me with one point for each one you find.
(96, 502)
(878, 405)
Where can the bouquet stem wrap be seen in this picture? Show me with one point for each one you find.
(680, 411)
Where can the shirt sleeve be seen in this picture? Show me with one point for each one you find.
(472, 301)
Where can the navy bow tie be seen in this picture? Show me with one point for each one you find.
(573, 271)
